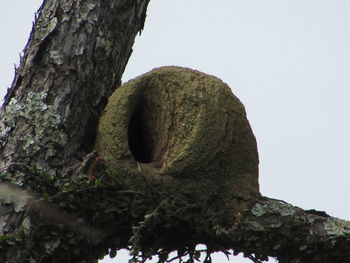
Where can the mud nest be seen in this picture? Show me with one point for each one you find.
(183, 127)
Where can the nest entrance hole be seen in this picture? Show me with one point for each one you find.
(141, 133)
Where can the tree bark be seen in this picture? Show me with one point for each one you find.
(74, 59)
(49, 212)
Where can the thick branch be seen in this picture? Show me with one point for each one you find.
(275, 228)
(266, 228)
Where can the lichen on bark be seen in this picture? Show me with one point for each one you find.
(42, 124)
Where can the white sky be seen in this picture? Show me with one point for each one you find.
(287, 60)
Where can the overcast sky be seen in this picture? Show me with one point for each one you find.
(287, 60)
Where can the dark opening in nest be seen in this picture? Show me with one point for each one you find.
(139, 132)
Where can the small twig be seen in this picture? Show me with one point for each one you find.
(76, 191)
(208, 257)
(138, 165)
(146, 180)
(254, 259)
(143, 224)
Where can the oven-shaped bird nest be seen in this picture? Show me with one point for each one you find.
(183, 128)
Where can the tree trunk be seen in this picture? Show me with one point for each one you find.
(74, 59)
(51, 212)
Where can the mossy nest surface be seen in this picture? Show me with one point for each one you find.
(183, 127)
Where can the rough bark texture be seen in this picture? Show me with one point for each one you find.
(275, 228)
(74, 59)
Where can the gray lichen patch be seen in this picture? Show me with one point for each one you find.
(183, 126)
(336, 227)
(39, 122)
(104, 43)
(277, 207)
(85, 9)
(56, 57)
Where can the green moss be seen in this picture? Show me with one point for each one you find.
(184, 128)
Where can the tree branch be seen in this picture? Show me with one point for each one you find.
(275, 228)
